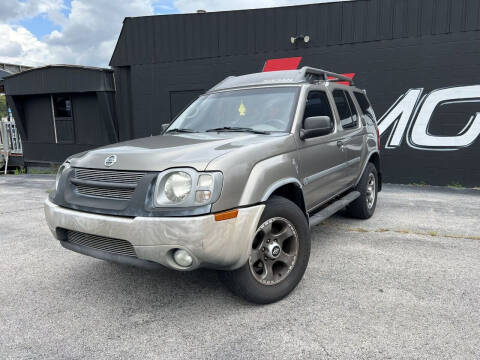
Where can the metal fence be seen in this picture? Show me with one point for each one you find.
(10, 143)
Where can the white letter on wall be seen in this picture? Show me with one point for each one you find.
(399, 114)
(420, 138)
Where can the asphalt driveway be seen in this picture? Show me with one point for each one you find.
(404, 284)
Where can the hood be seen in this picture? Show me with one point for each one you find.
(161, 152)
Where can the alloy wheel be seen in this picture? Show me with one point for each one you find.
(274, 251)
(370, 190)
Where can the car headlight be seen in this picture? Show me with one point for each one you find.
(177, 186)
(61, 169)
(187, 187)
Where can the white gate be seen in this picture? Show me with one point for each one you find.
(10, 143)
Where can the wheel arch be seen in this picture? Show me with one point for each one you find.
(375, 160)
(290, 189)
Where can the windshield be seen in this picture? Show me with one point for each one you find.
(263, 110)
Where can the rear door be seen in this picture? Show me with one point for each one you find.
(352, 132)
(321, 159)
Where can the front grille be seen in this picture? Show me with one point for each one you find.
(124, 194)
(121, 177)
(113, 246)
(128, 178)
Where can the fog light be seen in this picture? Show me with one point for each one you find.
(182, 258)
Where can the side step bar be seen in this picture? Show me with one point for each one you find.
(333, 208)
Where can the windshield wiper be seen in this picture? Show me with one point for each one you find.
(239, 129)
(181, 131)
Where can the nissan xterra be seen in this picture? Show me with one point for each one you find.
(234, 183)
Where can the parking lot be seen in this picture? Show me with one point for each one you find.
(404, 284)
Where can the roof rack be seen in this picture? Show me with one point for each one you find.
(311, 74)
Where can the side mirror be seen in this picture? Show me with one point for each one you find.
(165, 127)
(316, 126)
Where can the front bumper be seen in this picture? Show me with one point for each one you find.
(216, 244)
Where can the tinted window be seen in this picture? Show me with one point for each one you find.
(62, 106)
(346, 118)
(362, 101)
(317, 105)
(365, 106)
(353, 109)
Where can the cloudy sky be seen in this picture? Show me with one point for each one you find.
(39, 32)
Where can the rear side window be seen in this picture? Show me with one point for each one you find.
(362, 101)
(347, 118)
(353, 109)
(317, 105)
(365, 106)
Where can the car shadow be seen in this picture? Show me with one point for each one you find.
(116, 285)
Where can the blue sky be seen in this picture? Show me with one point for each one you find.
(84, 32)
(42, 25)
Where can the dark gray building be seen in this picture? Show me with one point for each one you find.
(62, 110)
(162, 63)
(418, 60)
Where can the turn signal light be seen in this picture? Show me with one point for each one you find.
(231, 214)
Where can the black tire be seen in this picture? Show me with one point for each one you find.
(242, 281)
(361, 208)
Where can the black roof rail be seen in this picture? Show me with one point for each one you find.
(310, 73)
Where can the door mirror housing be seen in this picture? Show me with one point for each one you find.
(316, 126)
(165, 127)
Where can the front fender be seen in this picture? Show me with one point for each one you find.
(269, 175)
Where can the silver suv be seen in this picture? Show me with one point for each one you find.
(234, 183)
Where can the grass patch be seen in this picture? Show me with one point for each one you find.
(404, 231)
(42, 171)
(420, 183)
(361, 230)
(455, 185)
(20, 171)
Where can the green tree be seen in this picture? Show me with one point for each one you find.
(3, 106)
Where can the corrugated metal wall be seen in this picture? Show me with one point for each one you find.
(157, 39)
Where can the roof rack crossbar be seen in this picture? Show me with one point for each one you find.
(306, 70)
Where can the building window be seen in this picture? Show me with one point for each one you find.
(63, 119)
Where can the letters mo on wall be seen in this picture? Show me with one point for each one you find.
(412, 115)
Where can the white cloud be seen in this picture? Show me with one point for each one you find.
(88, 34)
(12, 10)
(19, 46)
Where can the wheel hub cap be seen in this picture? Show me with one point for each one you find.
(273, 250)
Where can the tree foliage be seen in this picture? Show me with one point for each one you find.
(3, 106)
